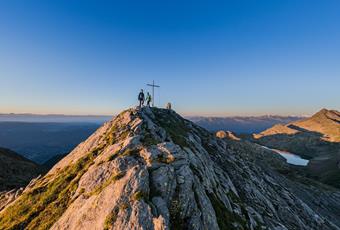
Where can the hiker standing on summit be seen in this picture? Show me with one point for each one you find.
(148, 99)
(141, 98)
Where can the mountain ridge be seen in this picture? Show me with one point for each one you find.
(316, 138)
(152, 169)
(238, 124)
(325, 122)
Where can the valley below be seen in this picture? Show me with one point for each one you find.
(291, 158)
(315, 140)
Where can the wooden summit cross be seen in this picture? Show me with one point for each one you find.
(153, 91)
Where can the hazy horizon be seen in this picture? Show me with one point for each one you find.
(210, 58)
(110, 115)
(186, 114)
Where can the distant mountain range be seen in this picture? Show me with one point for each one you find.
(41, 137)
(239, 124)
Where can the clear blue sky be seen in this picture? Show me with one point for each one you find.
(210, 57)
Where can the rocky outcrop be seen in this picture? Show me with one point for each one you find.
(276, 129)
(227, 134)
(152, 169)
(7, 197)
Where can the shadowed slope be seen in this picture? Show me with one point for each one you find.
(15, 170)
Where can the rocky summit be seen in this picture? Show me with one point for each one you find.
(152, 169)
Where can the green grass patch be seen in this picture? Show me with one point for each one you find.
(225, 218)
(148, 139)
(165, 159)
(174, 125)
(139, 196)
(111, 219)
(110, 180)
(176, 221)
(116, 133)
(41, 207)
(130, 152)
(113, 156)
(126, 152)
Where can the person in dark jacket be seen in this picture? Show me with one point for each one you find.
(141, 98)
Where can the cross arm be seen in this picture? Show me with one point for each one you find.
(153, 85)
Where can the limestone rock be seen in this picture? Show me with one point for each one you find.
(227, 134)
(151, 169)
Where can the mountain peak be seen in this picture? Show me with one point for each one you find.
(325, 123)
(324, 110)
(150, 168)
(321, 114)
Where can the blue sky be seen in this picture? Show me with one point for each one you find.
(210, 57)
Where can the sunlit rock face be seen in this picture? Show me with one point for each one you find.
(152, 169)
(324, 124)
(227, 134)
